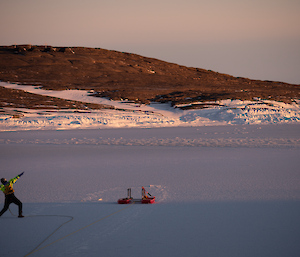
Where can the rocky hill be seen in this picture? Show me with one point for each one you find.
(120, 75)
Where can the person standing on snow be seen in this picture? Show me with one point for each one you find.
(7, 188)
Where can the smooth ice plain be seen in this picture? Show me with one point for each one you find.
(221, 191)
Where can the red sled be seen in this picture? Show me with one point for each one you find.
(148, 200)
(127, 200)
(124, 201)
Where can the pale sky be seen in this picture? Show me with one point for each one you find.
(257, 39)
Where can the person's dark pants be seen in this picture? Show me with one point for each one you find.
(11, 199)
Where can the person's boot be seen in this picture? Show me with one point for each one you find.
(20, 216)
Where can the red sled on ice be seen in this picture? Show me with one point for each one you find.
(127, 200)
(145, 198)
(148, 200)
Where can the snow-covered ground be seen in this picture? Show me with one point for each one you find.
(224, 112)
(226, 190)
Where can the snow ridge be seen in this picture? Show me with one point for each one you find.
(225, 112)
(154, 141)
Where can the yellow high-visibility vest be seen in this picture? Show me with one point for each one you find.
(8, 188)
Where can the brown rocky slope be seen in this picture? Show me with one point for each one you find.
(119, 75)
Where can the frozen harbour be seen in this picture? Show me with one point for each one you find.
(211, 200)
(226, 190)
